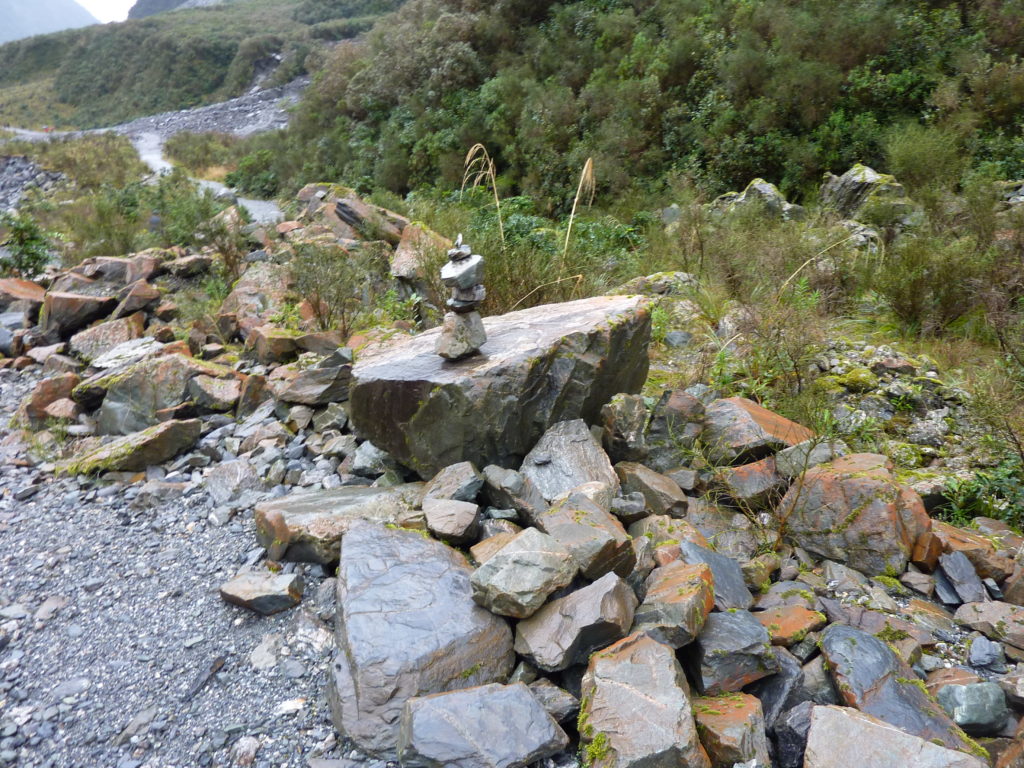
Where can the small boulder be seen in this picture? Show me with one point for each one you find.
(214, 394)
(625, 421)
(228, 480)
(318, 386)
(595, 538)
(737, 430)
(678, 598)
(996, 620)
(661, 494)
(458, 482)
(978, 708)
(676, 423)
(732, 651)
(731, 728)
(48, 391)
(456, 522)
(63, 314)
(263, 592)
(565, 457)
(518, 578)
(99, 339)
(138, 450)
(730, 587)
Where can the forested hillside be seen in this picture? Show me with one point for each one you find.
(106, 74)
(722, 91)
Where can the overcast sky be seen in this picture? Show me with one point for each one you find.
(108, 10)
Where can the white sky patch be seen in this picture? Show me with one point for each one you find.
(108, 10)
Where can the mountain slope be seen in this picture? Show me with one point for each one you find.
(144, 8)
(21, 19)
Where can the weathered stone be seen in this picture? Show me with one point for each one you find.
(961, 576)
(32, 411)
(228, 480)
(214, 394)
(662, 529)
(566, 456)
(456, 522)
(790, 736)
(318, 386)
(459, 482)
(406, 627)
(783, 593)
(987, 561)
(854, 511)
(905, 637)
(625, 421)
(760, 198)
(678, 598)
(870, 742)
(269, 345)
(597, 541)
(14, 290)
(489, 545)
(418, 250)
(307, 527)
(508, 489)
(754, 486)
(566, 631)
(518, 578)
(65, 313)
(636, 708)
(263, 592)
(126, 353)
(978, 708)
(848, 194)
(370, 461)
(738, 430)
(788, 625)
(782, 690)
(462, 335)
(729, 532)
(793, 462)
(137, 297)
(676, 423)
(259, 293)
(662, 495)
(996, 620)
(730, 588)
(482, 727)
(872, 678)
(64, 409)
(731, 728)
(138, 450)
(732, 651)
(134, 395)
(539, 367)
(558, 703)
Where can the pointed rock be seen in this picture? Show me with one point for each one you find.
(567, 456)
(678, 599)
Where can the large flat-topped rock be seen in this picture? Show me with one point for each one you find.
(539, 366)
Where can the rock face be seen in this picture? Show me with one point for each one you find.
(138, 450)
(636, 709)
(860, 185)
(855, 512)
(566, 631)
(445, 730)
(406, 626)
(873, 679)
(307, 527)
(870, 743)
(540, 366)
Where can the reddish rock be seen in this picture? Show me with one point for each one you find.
(678, 599)
(64, 409)
(754, 486)
(138, 450)
(95, 341)
(789, 624)
(138, 296)
(110, 269)
(46, 392)
(979, 550)
(732, 729)
(737, 430)
(926, 552)
(484, 550)
(996, 620)
(254, 393)
(272, 345)
(144, 266)
(166, 311)
(854, 511)
(661, 494)
(14, 290)
(65, 313)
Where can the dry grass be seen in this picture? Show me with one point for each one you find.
(34, 104)
(478, 171)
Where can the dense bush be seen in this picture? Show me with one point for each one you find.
(24, 245)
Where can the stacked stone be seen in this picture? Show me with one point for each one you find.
(463, 331)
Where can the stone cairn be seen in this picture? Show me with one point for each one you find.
(463, 331)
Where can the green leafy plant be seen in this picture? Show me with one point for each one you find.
(24, 245)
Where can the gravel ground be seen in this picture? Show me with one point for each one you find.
(109, 615)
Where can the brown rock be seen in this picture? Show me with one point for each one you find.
(678, 599)
(65, 313)
(137, 297)
(940, 678)
(926, 552)
(662, 495)
(64, 409)
(484, 550)
(14, 290)
(737, 430)
(263, 592)
(270, 345)
(46, 392)
(788, 625)
(95, 341)
(732, 729)
(598, 542)
(755, 486)
(996, 620)
(261, 292)
(456, 522)
(978, 549)
(138, 450)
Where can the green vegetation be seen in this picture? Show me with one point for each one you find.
(24, 245)
(109, 73)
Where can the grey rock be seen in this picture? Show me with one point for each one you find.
(456, 522)
(230, 479)
(676, 422)
(596, 539)
(737, 430)
(962, 577)
(491, 408)
(565, 457)
(790, 736)
(625, 422)
(508, 489)
(566, 631)
(482, 727)
(978, 708)
(558, 703)
(794, 461)
(263, 592)
(677, 600)
(987, 654)
(406, 627)
(730, 588)
(636, 707)
(460, 482)
(462, 335)
(518, 578)
(661, 494)
(318, 386)
(371, 461)
(732, 651)
(849, 193)
(781, 691)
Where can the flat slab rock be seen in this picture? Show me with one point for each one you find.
(307, 527)
(407, 626)
(540, 366)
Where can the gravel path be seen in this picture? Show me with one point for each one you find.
(110, 615)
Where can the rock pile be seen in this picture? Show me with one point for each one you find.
(18, 175)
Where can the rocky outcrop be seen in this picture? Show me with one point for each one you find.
(539, 366)
(137, 450)
(406, 627)
(859, 187)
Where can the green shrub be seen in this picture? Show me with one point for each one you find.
(24, 245)
(255, 175)
(333, 282)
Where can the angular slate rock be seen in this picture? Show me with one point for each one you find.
(869, 742)
(406, 626)
(731, 729)
(482, 727)
(737, 430)
(566, 456)
(636, 708)
(517, 579)
(456, 522)
(138, 450)
(781, 691)
(227, 480)
(558, 703)
(539, 367)
(996, 620)
(566, 631)
(962, 578)
(459, 482)
(730, 588)
(263, 592)
(508, 489)
(661, 494)
(872, 678)
(790, 736)
(306, 527)
(676, 423)
(318, 386)
(978, 708)
(678, 598)
(583, 525)
(731, 652)
(624, 420)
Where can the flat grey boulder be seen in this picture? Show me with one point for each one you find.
(483, 727)
(307, 527)
(540, 366)
(407, 626)
(566, 631)
(263, 592)
(636, 709)
(867, 742)
(567, 456)
(517, 579)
